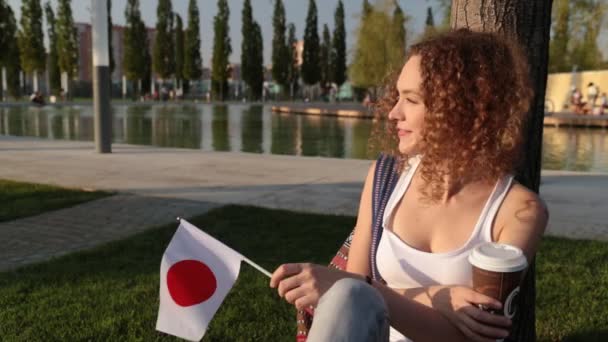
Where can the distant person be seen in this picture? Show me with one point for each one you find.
(577, 103)
(603, 103)
(37, 98)
(592, 92)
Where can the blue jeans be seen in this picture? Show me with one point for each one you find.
(350, 311)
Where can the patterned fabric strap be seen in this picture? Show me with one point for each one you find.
(384, 181)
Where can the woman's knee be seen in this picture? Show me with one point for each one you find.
(350, 293)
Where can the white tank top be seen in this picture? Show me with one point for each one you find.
(403, 266)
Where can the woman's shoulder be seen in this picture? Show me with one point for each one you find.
(523, 212)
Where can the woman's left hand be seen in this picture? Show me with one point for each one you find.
(303, 284)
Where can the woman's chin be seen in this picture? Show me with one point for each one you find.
(408, 150)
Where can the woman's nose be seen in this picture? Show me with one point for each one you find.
(395, 113)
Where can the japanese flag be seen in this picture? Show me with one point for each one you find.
(196, 273)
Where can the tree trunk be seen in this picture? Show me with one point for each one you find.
(530, 22)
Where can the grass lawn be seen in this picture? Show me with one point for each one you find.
(26, 199)
(111, 293)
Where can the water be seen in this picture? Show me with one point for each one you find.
(255, 129)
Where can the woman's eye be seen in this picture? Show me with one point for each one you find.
(410, 100)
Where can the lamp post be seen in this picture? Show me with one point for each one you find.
(101, 77)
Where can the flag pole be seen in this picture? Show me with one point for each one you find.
(257, 267)
(253, 264)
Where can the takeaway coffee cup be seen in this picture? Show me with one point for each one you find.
(497, 273)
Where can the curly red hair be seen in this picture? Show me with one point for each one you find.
(477, 92)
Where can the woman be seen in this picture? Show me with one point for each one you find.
(456, 113)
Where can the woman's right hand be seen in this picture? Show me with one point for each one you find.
(461, 306)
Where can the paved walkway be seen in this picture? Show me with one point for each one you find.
(158, 184)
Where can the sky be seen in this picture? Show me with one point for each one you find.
(295, 11)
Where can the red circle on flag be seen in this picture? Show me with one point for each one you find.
(190, 282)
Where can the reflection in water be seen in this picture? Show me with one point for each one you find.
(221, 141)
(255, 129)
(252, 129)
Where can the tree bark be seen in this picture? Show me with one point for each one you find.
(530, 22)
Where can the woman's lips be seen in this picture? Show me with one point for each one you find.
(403, 132)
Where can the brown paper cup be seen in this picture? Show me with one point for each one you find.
(497, 273)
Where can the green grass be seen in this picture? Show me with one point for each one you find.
(111, 293)
(20, 199)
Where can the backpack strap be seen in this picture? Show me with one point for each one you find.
(386, 176)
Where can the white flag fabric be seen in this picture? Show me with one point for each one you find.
(196, 274)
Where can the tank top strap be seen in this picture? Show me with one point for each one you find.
(502, 188)
(400, 188)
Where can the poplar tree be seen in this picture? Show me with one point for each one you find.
(4, 37)
(397, 39)
(310, 59)
(110, 47)
(280, 53)
(67, 39)
(31, 39)
(248, 48)
(257, 77)
(325, 58)
(293, 71)
(9, 59)
(53, 66)
(338, 50)
(164, 54)
(193, 63)
(136, 55)
(178, 34)
(221, 50)
(429, 24)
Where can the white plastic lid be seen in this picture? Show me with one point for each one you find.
(498, 257)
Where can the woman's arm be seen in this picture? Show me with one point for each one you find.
(525, 220)
(304, 284)
(358, 255)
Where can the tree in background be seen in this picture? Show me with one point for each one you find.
(429, 24)
(178, 36)
(52, 63)
(136, 55)
(446, 5)
(397, 37)
(4, 37)
(529, 22)
(257, 75)
(280, 52)
(338, 48)
(110, 47)
(248, 47)
(164, 52)
(9, 59)
(67, 41)
(371, 63)
(221, 51)
(325, 59)
(193, 63)
(31, 39)
(293, 72)
(587, 23)
(558, 48)
(310, 57)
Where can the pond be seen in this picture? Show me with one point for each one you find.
(256, 129)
